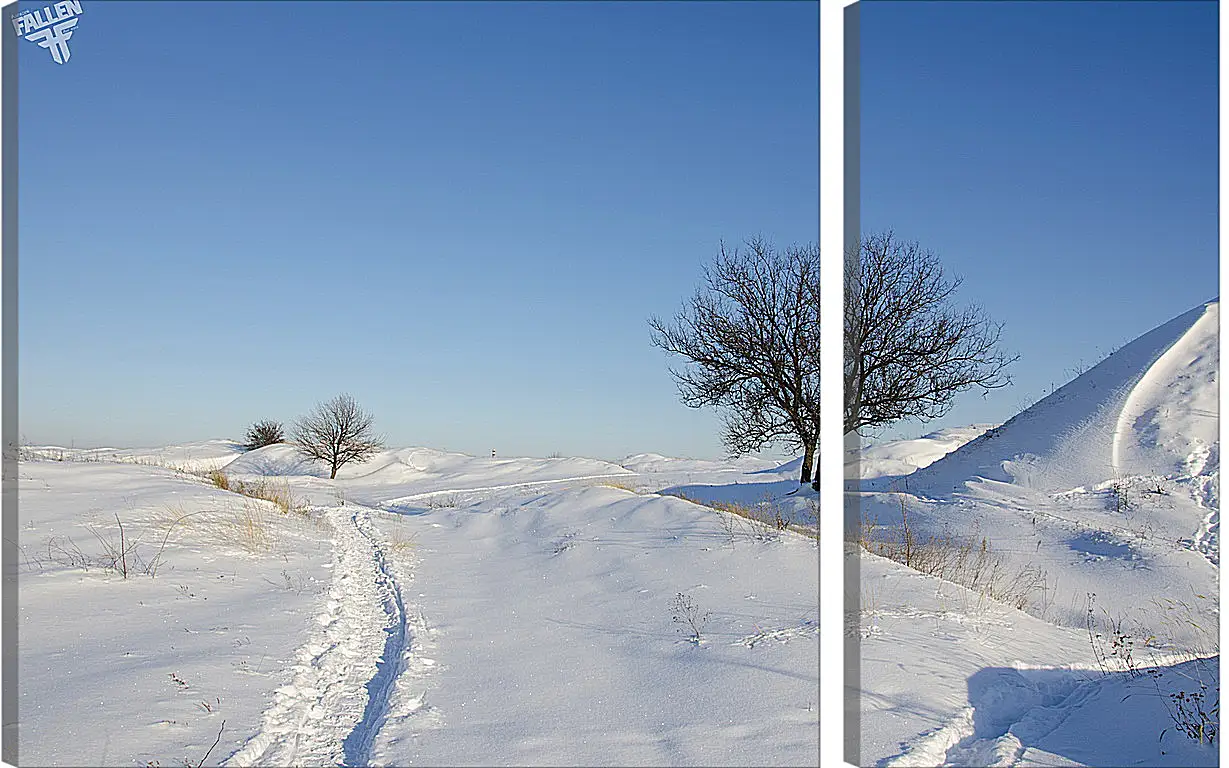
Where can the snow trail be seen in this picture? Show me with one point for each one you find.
(338, 695)
(358, 744)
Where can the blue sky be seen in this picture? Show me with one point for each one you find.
(1060, 156)
(461, 213)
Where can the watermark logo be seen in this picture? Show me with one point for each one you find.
(51, 27)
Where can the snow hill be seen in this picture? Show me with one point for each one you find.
(655, 462)
(202, 456)
(1149, 408)
(902, 457)
(1096, 512)
(406, 476)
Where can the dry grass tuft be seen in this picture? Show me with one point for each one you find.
(400, 542)
(442, 501)
(243, 526)
(219, 479)
(764, 521)
(619, 486)
(278, 493)
(248, 527)
(254, 525)
(969, 561)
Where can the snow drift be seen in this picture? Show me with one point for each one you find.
(1148, 408)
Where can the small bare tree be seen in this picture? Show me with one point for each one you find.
(908, 349)
(337, 431)
(750, 336)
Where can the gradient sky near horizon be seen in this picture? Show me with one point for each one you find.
(1060, 156)
(460, 213)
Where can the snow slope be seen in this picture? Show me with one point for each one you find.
(425, 608)
(1101, 501)
(1105, 421)
(409, 475)
(123, 671)
(948, 677)
(554, 644)
(897, 458)
(200, 456)
(656, 463)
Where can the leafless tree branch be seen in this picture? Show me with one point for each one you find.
(750, 340)
(908, 350)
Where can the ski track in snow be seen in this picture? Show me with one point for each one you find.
(781, 635)
(1207, 539)
(931, 748)
(337, 700)
(1203, 468)
(358, 744)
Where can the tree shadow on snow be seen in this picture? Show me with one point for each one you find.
(284, 466)
(1087, 717)
(739, 493)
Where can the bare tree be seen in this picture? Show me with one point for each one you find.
(750, 336)
(337, 431)
(262, 433)
(908, 349)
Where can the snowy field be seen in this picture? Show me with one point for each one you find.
(1061, 607)
(426, 608)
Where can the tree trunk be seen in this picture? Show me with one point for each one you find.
(333, 476)
(808, 459)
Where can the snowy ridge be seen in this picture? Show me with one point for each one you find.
(418, 465)
(403, 500)
(1171, 412)
(1068, 438)
(405, 474)
(202, 456)
(902, 457)
(655, 462)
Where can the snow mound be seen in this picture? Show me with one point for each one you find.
(394, 477)
(280, 460)
(201, 456)
(1149, 408)
(415, 464)
(902, 457)
(646, 463)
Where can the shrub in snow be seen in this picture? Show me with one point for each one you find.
(262, 433)
(688, 614)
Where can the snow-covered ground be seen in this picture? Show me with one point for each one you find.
(1088, 530)
(424, 608)
(193, 457)
(901, 457)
